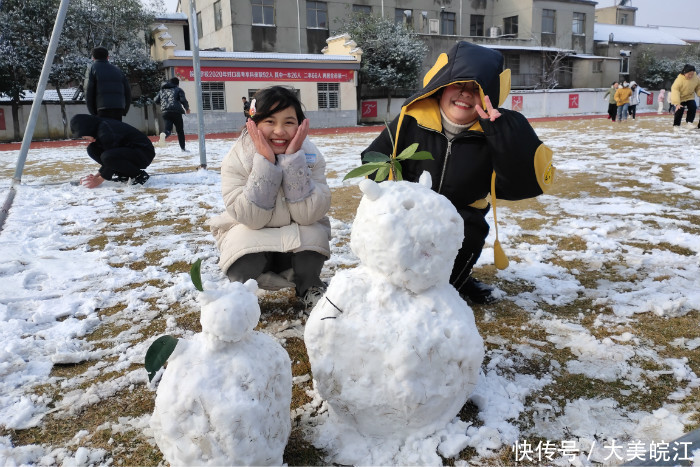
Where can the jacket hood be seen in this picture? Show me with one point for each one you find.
(84, 125)
(467, 62)
(633, 83)
(167, 85)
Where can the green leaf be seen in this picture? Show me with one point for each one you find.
(158, 353)
(398, 171)
(373, 156)
(382, 173)
(363, 170)
(406, 153)
(421, 155)
(196, 276)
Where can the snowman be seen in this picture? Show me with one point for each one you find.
(224, 398)
(394, 349)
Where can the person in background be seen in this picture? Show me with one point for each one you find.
(477, 150)
(246, 107)
(683, 92)
(635, 98)
(173, 105)
(622, 99)
(107, 91)
(610, 97)
(661, 98)
(122, 151)
(275, 228)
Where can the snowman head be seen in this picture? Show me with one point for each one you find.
(231, 313)
(407, 232)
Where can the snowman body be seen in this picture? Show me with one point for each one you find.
(224, 398)
(394, 349)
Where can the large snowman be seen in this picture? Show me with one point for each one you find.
(224, 398)
(394, 349)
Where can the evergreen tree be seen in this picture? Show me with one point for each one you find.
(392, 55)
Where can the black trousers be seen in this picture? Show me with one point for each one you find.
(126, 162)
(612, 111)
(476, 229)
(175, 118)
(114, 114)
(633, 111)
(690, 116)
(306, 265)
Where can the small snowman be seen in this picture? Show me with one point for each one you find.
(394, 349)
(224, 398)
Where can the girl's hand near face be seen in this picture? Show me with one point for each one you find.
(261, 144)
(299, 137)
(491, 113)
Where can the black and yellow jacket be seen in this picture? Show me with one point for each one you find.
(506, 151)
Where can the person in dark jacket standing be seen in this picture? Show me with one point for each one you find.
(477, 149)
(122, 151)
(107, 91)
(173, 105)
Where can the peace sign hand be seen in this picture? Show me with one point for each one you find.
(491, 113)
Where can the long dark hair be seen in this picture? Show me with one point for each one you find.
(273, 99)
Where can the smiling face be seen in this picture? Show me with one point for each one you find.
(279, 129)
(458, 101)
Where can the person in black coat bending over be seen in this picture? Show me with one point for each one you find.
(107, 91)
(478, 150)
(121, 150)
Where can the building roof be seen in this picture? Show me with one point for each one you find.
(685, 34)
(265, 56)
(50, 95)
(527, 48)
(634, 35)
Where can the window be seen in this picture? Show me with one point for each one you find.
(263, 11)
(549, 21)
(597, 66)
(213, 96)
(199, 25)
(362, 9)
(623, 19)
(476, 25)
(510, 25)
(404, 17)
(328, 95)
(447, 23)
(316, 15)
(218, 16)
(579, 25)
(624, 65)
(512, 62)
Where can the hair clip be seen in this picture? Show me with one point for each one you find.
(251, 110)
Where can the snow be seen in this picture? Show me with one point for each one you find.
(629, 194)
(634, 34)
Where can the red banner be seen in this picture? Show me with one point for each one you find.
(186, 73)
(650, 98)
(573, 101)
(369, 108)
(516, 103)
(2, 119)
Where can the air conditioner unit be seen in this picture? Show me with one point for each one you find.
(495, 31)
(433, 26)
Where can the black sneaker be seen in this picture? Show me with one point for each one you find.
(120, 178)
(478, 292)
(141, 178)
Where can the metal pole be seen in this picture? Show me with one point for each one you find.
(299, 25)
(460, 17)
(194, 35)
(39, 97)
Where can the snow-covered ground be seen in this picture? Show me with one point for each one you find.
(619, 236)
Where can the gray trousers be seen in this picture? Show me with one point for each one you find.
(306, 265)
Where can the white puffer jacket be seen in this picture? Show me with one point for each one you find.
(278, 208)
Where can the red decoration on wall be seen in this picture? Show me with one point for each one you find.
(573, 101)
(650, 98)
(2, 119)
(186, 73)
(517, 103)
(369, 108)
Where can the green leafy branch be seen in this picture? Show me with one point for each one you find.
(386, 166)
(163, 347)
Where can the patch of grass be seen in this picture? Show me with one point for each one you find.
(344, 202)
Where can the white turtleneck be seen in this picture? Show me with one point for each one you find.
(451, 128)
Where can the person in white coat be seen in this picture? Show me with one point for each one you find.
(275, 229)
(635, 98)
(661, 99)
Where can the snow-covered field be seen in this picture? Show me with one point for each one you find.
(594, 345)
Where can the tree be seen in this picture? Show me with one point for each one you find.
(392, 56)
(657, 72)
(121, 26)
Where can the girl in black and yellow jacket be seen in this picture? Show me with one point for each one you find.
(477, 149)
